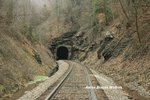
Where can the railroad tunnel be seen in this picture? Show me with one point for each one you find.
(62, 53)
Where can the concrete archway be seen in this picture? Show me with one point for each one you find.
(62, 53)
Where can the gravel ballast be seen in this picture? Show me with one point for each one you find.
(42, 87)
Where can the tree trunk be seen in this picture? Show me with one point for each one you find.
(136, 23)
(106, 19)
(123, 10)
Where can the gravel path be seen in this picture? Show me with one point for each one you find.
(112, 91)
(42, 87)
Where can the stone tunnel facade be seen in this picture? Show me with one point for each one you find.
(67, 45)
(61, 47)
(63, 52)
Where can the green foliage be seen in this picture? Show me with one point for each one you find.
(32, 35)
(102, 6)
(1, 89)
(35, 37)
(98, 8)
(38, 79)
(109, 15)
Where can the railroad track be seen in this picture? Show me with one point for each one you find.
(73, 85)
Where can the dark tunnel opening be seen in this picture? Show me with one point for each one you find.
(62, 53)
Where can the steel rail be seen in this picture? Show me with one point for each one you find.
(59, 85)
(91, 92)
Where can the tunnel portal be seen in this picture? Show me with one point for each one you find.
(62, 53)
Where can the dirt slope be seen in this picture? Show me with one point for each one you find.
(20, 61)
(125, 59)
(128, 66)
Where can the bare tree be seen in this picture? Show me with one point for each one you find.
(123, 9)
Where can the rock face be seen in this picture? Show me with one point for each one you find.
(63, 41)
(103, 45)
(112, 47)
(72, 41)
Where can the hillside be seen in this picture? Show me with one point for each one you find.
(20, 61)
(124, 58)
(109, 36)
